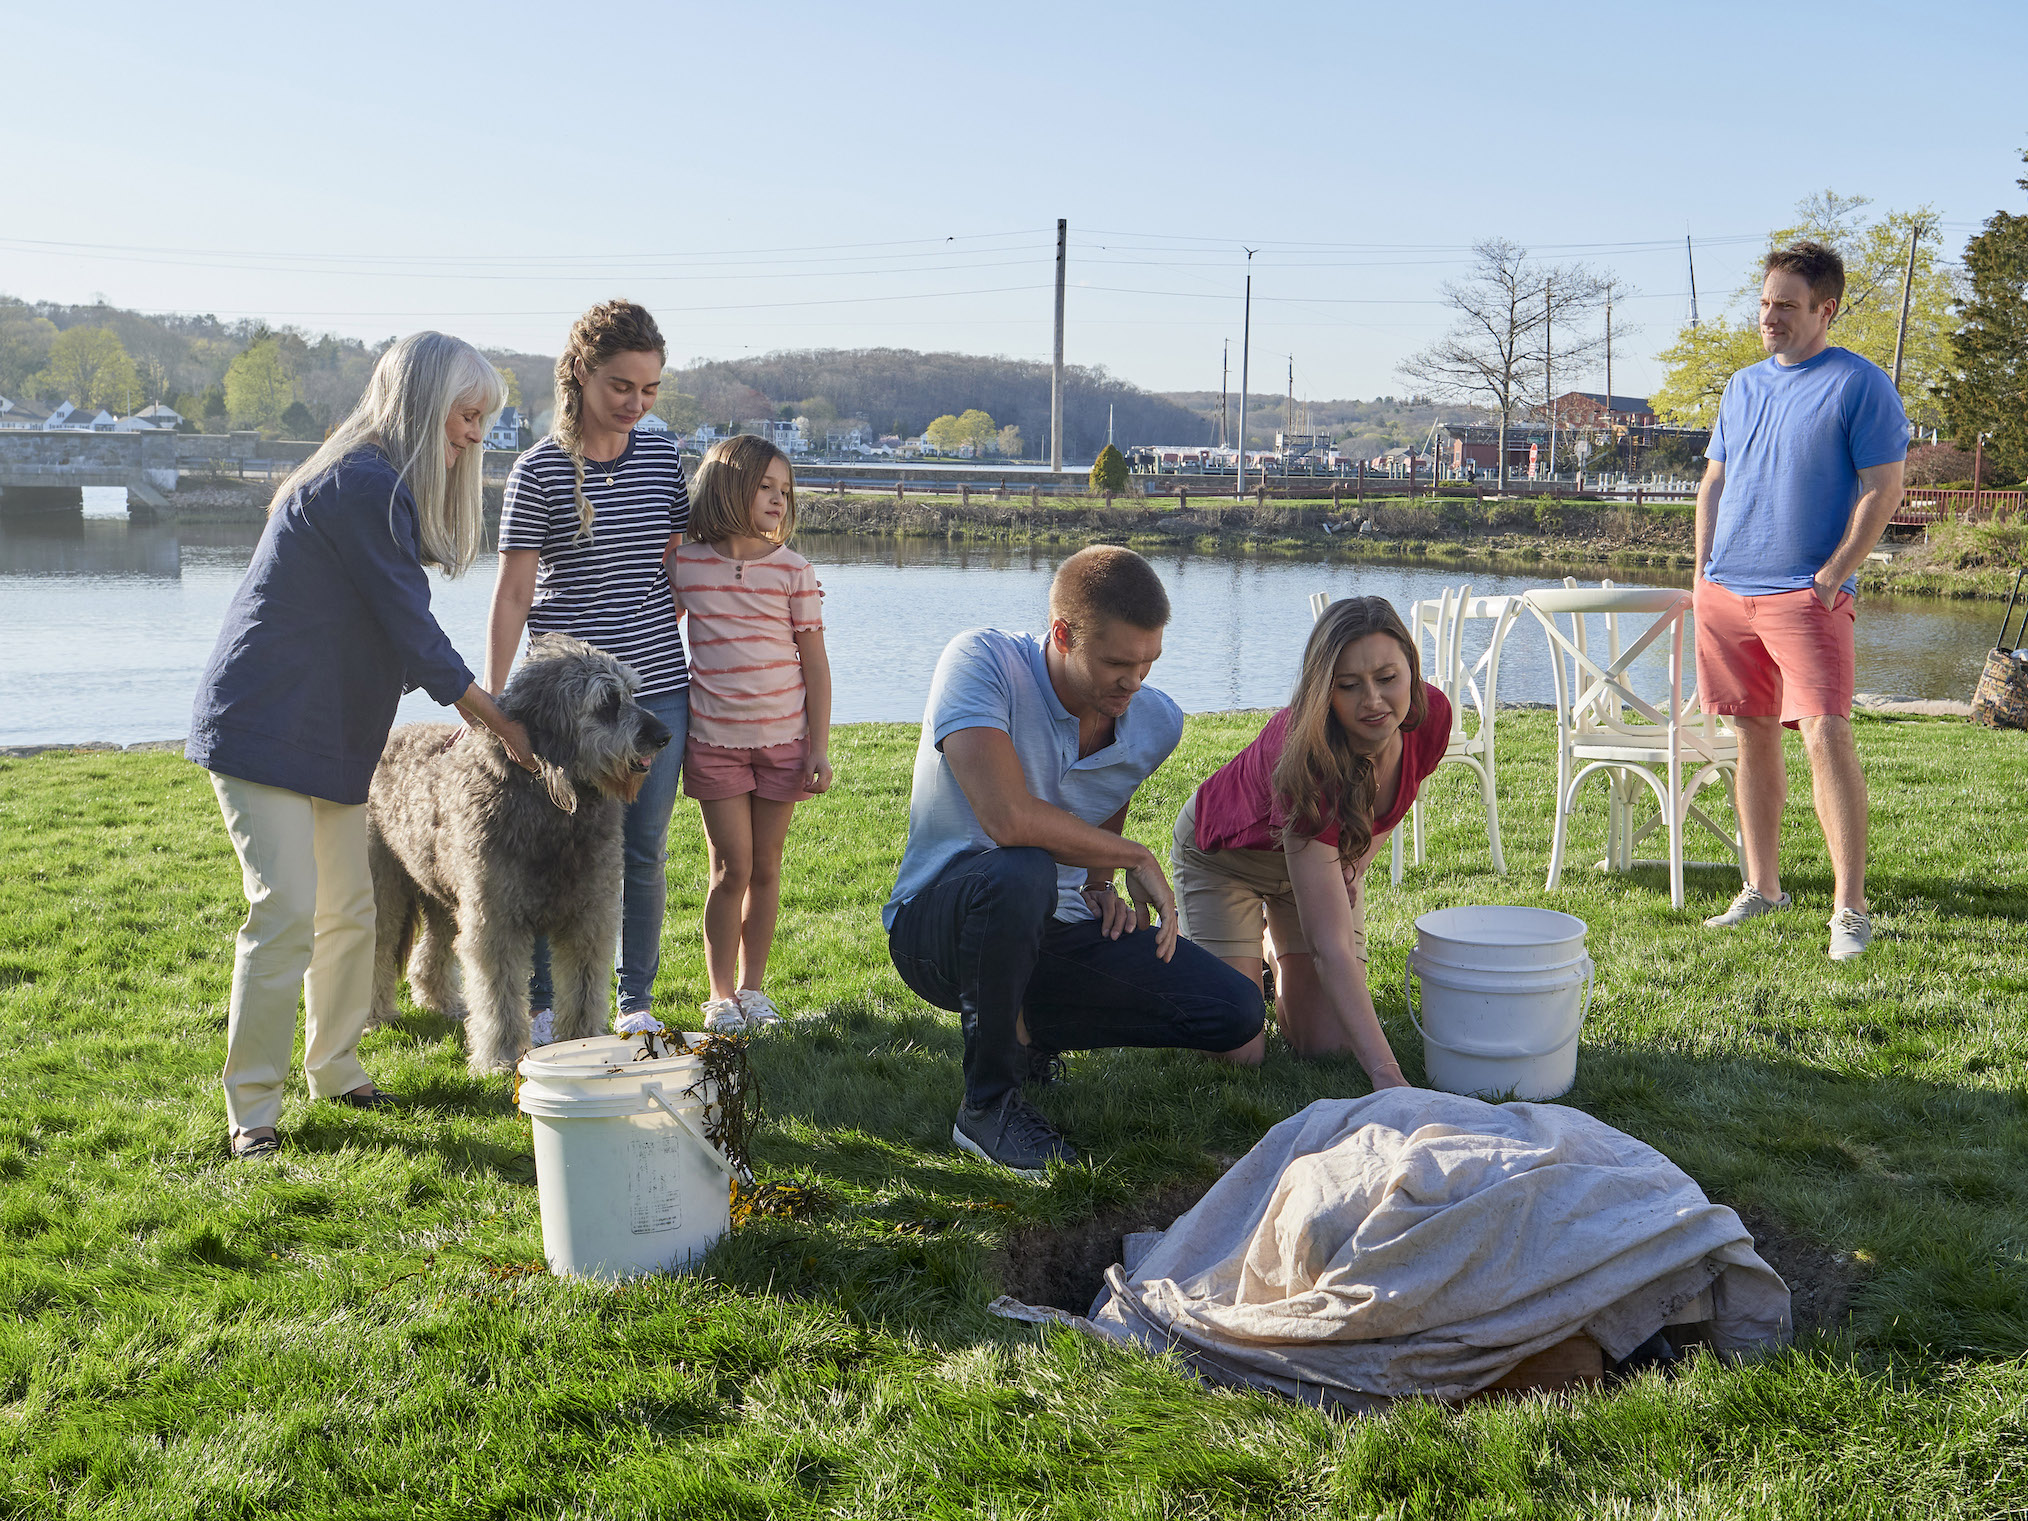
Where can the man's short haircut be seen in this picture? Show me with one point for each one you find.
(1103, 583)
(1819, 266)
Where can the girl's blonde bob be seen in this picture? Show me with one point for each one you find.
(721, 499)
(408, 403)
(1320, 779)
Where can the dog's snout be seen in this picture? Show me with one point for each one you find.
(654, 732)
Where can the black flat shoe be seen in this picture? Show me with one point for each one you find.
(379, 1098)
(245, 1146)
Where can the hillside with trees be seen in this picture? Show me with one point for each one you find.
(1361, 428)
(901, 391)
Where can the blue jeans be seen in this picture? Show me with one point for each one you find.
(982, 941)
(645, 841)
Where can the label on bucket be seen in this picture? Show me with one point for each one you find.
(655, 1183)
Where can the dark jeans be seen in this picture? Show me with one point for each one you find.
(982, 942)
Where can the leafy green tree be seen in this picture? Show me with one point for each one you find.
(1009, 441)
(212, 409)
(89, 366)
(979, 430)
(25, 338)
(1109, 473)
(681, 412)
(945, 435)
(1989, 392)
(259, 386)
(1696, 367)
(298, 422)
(1700, 361)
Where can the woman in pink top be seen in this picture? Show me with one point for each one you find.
(1279, 838)
(760, 707)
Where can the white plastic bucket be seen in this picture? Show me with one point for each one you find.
(1505, 992)
(628, 1182)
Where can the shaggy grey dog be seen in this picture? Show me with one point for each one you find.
(486, 856)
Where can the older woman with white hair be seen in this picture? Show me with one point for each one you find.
(329, 627)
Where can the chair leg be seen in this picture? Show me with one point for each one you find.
(1395, 876)
(1492, 800)
(1559, 839)
(1415, 823)
(1678, 810)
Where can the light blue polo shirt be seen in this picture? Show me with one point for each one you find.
(988, 679)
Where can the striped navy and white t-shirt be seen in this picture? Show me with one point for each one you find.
(612, 591)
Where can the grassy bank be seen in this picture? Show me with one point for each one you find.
(359, 1327)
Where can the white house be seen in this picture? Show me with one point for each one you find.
(75, 419)
(160, 418)
(506, 430)
(652, 424)
(21, 414)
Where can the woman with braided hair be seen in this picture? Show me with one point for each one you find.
(591, 513)
(1279, 838)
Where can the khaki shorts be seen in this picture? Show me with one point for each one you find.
(1227, 898)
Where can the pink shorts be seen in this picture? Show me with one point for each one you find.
(1783, 655)
(777, 773)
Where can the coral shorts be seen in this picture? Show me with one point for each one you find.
(1783, 655)
(712, 773)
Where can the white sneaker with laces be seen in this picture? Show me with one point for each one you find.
(723, 1016)
(639, 1022)
(1750, 904)
(1851, 933)
(541, 1027)
(758, 1008)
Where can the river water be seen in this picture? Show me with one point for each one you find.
(107, 625)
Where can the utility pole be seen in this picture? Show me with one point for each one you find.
(1611, 433)
(1549, 367)
(1915, 236)
(1692, 257)
(1056, 371)
(1245, 353)
(1109, 424)
(1224, 371)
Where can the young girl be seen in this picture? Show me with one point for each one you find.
(760, 707)
(591, 514)
(293, 711)
(1281, 835)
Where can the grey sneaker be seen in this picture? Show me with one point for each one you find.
(1012, 1132)
(1750, 904)
(1851, 933)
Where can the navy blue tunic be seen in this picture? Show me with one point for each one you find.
(330, 626)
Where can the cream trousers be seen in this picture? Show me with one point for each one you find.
(309, 927)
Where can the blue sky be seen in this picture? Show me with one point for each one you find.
(805, 175)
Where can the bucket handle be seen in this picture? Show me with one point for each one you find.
(1408, 981)
(654, 1091)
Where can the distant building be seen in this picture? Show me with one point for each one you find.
(506, 430)
(1468, 447)
(71, 418)
(156, 419)
(21, 414)
(853, 440)
(705, 436)
(1594, 409)
(652, 424)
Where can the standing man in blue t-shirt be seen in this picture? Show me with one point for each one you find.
(1004, 909)
(1804, 472)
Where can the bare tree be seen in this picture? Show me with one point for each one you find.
(1493, 354)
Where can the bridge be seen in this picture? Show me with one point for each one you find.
(46, 471)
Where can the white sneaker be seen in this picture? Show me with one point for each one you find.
(1750, 904)
(758, 1008)
(541, 1027)
(639, 1022)
(1851, 933)
(723, 1016)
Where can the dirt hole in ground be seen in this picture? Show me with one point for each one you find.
(1065, 1266)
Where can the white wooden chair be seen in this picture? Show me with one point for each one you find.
(1604, 726)
(1438, 627)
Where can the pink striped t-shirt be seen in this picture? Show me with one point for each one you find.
(746, 676)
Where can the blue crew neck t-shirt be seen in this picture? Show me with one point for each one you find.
(988, 679)
(1793, 439)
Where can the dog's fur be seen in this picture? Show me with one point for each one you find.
(487, 856)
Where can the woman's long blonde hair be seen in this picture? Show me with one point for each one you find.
(608, 329)
(721, 499)
(1320, 779)
(408, 402)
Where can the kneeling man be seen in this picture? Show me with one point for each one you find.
(1005, 909)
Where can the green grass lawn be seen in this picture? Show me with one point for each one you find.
(352, 1329)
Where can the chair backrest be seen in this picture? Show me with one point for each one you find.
(1595, 697)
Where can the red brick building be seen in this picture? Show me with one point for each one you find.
(1594, 409)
